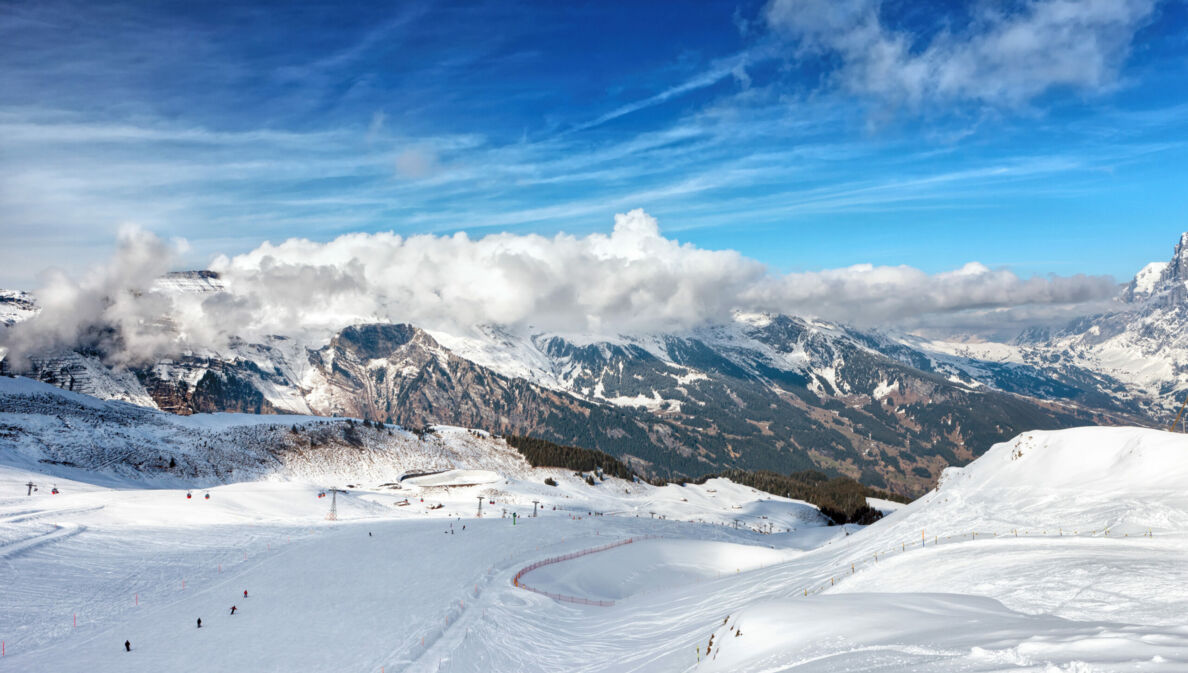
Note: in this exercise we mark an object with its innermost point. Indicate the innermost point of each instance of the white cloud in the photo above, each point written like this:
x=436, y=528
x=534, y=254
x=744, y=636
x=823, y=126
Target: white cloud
x=633, y=280
x=111, y=310
x=1004, y=58
x=867, y=295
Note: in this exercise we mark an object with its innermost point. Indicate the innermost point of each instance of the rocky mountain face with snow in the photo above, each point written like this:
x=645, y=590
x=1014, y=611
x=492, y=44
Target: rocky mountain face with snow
x=761, y=392
x=1132, y=358
x=15, y=306
x=1143, y=344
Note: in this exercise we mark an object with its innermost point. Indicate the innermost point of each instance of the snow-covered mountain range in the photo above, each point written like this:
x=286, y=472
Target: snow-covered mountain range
x=761, y=391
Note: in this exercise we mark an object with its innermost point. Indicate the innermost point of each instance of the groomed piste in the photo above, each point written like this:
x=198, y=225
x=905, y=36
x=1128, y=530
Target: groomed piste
x=1055, y=551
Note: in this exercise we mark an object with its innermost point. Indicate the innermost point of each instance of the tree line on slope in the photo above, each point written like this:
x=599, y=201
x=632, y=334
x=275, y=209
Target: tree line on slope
x=543, y=453
x=840, y=498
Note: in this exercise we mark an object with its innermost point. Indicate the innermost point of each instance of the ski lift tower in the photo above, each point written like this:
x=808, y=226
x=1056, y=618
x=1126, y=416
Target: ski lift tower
x=534, y=504
x=333, y=514
x=30, y=486
x=480, y=509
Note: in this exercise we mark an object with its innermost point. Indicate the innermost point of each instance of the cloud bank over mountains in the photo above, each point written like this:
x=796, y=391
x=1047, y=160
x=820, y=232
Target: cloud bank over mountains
x=634, y=280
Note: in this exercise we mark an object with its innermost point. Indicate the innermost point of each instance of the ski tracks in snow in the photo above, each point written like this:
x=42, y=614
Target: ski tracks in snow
x=35, y=514
x=59, y=533
x=454, y=626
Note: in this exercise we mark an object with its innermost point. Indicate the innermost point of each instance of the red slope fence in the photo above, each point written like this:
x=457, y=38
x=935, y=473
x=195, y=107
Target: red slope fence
x=516, y=581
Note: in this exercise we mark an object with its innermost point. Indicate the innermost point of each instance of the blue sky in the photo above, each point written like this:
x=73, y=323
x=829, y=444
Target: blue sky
x=1046, y=137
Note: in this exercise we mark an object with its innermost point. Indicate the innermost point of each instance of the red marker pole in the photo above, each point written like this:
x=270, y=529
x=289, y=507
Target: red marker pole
x=76, y=620
x=137, y=599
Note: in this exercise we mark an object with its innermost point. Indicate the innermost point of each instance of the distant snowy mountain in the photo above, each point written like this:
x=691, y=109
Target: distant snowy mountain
x=760, y=391
x=1133, y=358
x=1143, y=344
x=769, y=392
x=869, y=405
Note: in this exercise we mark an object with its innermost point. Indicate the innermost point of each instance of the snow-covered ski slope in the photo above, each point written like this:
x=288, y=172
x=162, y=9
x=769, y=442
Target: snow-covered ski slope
x=72, y=435
x=1057, y=551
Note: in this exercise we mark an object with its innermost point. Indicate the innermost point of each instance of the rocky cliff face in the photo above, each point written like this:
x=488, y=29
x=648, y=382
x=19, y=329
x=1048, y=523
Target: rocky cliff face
x=1142, y=344
x=1174, y=276
x=15, y=306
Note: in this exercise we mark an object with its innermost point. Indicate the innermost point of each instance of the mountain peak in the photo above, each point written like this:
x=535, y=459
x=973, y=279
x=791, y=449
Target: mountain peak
x=1178, y=269
x=1145, y=282
x=380, y=340
x=201, y=281
x=1158, y=278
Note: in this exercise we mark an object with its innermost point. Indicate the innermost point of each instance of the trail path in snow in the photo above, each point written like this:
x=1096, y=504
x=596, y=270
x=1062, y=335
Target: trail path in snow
x=58, y=533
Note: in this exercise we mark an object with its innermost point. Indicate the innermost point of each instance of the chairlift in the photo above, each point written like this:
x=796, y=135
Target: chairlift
x=54, y=491
x=206, y=497
x=189, y=495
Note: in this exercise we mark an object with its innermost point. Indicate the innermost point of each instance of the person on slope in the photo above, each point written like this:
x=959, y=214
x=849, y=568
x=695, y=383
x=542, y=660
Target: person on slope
x=199, y=622
x=127, y=646
x=232, y=609
x=245, y=593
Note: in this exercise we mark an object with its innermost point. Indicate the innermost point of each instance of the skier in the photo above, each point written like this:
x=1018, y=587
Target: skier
x=245, y=593
x=199, y=622
x=368, y=533
x=232, y=609
x=127, y=646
